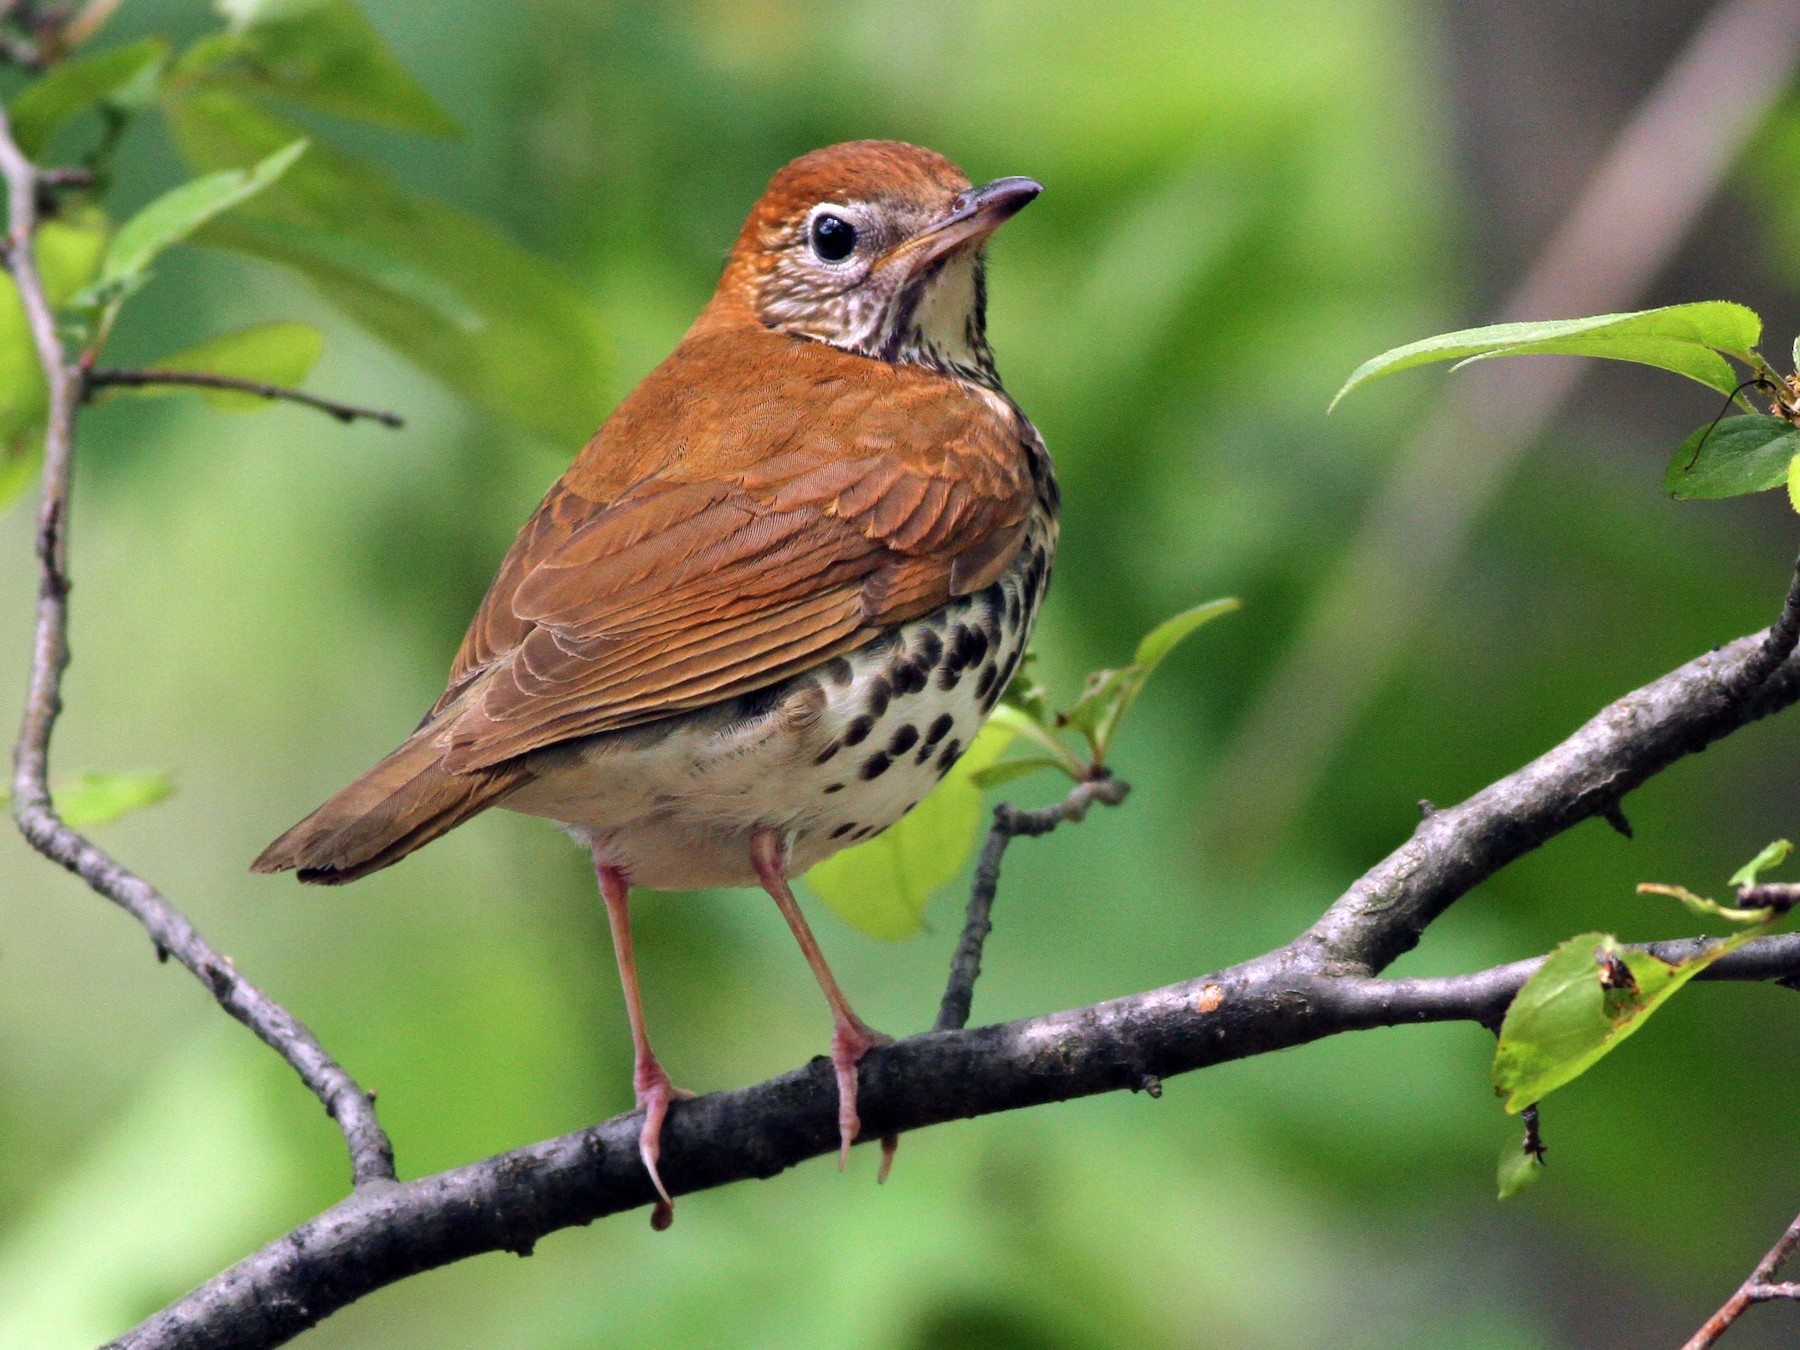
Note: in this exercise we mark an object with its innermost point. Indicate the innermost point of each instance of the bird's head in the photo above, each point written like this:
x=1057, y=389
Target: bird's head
x=875, y=247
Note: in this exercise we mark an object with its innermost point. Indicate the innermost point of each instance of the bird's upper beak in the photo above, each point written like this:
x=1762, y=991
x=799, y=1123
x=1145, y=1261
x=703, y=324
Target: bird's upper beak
x=974, y=215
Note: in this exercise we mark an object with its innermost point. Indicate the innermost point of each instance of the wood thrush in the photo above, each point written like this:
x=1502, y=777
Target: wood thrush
x=772, y=600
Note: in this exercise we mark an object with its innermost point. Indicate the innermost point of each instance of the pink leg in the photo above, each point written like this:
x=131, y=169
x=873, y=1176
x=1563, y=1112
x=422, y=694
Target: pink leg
x=654, y=1090
x=851, y=1037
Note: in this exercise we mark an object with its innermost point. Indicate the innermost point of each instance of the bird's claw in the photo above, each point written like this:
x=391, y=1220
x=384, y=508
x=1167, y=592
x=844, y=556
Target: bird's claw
x=655, y=1093
x=849, y=1043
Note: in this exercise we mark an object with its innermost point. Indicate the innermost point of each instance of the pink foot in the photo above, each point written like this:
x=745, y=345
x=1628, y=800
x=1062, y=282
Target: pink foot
x=849, y=1043
x=654, y=1094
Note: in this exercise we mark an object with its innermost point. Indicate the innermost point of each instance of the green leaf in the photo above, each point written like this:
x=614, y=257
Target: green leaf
x=266, y=353
x=176, y=214
x=1793, y=482
x=96, y=799
x=1686, y=339
x=1739, y=455
x=1519, y=1168
x=323, y=54
x=1110, y=693
x=883, y=886
x=1007, y=770
x=1587, y=997
x=1163, y=639
x=1772, y=856
x=44, y=107
x=520, y=339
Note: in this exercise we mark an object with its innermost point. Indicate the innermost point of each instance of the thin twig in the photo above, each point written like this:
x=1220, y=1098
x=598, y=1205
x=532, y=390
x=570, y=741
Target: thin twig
x=1756, y=1289
x=371, y=1155
x=1009, y=823
x=106, y=376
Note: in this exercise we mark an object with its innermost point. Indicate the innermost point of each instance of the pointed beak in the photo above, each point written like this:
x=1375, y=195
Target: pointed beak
x=974, y=215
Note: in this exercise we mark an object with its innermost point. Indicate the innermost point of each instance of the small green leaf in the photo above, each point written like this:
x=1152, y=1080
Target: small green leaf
x=1007, y=770
x=176, y=214
x=1519, y=1168
x=1686, y=339
x=1739, y=455
x=44, y=107
x=1771, y=857
x=1793, y=482
x=1587, y=997
x=265, y=353
x=324, y=54
x=96, y=799
x=883, y=886
x=1110, y=693
x=1162, y=639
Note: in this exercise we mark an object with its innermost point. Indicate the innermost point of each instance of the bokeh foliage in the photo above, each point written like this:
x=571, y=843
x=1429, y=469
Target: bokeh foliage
x=1244, y=200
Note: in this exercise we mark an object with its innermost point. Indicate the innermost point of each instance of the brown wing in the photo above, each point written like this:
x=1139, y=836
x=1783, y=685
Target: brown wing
x=699, y=550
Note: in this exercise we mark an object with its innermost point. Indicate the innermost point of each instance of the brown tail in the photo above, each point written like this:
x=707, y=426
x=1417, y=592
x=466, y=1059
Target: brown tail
x=401, y=804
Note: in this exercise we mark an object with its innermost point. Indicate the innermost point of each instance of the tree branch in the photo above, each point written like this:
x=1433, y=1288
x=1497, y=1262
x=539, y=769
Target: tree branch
x=371, y=1156
x=1009, y=823
x=138, y=379
x=1755, y=1289
x=1321, y=984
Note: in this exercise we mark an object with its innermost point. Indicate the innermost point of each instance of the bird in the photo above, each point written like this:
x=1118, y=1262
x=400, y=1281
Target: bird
x=774, y=597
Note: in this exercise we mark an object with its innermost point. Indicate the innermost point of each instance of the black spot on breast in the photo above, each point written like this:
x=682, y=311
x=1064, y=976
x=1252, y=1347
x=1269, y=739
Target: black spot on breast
x=834, y=787
x=843, y=829
x=910, y=676
x=858, y=730
x=1013, y=608
x=875, y=765
x=865, y=832
x=880, y=691
x=837, y=671
x=903, y=740
x=952, y=748
x=938, y=730
x=971, y=644
x=931, y=649
x=826, y=753
x=990, y=677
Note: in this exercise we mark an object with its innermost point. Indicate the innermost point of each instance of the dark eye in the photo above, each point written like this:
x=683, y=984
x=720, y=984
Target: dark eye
x=833, y=238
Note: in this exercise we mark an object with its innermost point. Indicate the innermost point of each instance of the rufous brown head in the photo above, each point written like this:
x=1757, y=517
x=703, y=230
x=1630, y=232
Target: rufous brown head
x=875, y=247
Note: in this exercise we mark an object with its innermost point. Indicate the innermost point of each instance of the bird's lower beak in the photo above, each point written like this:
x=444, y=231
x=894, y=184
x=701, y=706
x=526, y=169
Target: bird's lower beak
x=974, y=215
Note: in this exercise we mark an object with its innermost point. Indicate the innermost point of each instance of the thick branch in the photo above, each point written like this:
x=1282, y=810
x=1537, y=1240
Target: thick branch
x=1455, y=849
x=139, y=379
x=371, y=1155
x=509, y=1202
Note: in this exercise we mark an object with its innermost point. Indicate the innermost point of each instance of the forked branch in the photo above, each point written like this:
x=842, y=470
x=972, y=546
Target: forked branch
x=371, y=1156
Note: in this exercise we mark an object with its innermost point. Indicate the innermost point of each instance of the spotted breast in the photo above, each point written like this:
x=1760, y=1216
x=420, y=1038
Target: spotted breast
x=830, y=757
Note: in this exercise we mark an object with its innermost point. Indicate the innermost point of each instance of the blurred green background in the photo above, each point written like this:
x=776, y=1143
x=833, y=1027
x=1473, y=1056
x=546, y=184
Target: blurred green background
x=1243, y=201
